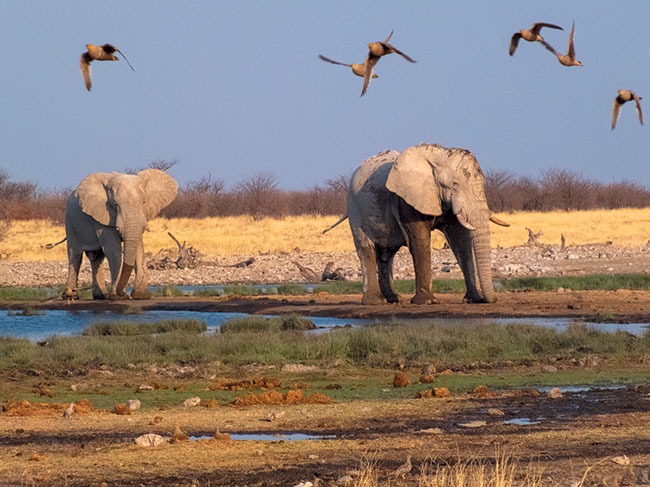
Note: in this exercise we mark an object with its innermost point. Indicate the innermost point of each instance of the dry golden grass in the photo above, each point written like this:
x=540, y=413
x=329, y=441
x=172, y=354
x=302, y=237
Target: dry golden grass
x=246, y=236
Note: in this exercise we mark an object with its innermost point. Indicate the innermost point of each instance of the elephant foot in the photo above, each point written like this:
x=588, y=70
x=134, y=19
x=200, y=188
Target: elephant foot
x=98, y=294
x=392, y=298
x=140, y=294
x=372, y=299
x=471, y=299
x=424, y=298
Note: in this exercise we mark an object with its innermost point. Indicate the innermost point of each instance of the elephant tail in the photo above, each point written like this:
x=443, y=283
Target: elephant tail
x=343, y=218
x=52, y=245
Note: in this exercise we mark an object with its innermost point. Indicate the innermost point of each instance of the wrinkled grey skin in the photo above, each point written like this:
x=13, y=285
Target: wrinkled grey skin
x=397, y=199
x=105, y=217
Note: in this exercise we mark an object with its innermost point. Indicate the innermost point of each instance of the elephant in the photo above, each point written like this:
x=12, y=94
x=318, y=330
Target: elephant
x=106, y=216
x=396, y=199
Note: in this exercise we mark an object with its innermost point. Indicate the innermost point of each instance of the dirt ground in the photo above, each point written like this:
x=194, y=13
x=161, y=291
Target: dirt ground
x=572, y=439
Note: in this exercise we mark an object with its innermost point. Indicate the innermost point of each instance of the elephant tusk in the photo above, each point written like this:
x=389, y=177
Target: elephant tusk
x=494, y=219
x=463, y=221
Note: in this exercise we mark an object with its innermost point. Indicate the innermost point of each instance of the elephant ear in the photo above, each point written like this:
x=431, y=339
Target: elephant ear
x=92, y=193
x=412, y=178
x=159, y=188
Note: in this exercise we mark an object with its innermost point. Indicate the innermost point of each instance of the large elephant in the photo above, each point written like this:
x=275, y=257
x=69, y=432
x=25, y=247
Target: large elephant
x=397, y=199
x=105, y=217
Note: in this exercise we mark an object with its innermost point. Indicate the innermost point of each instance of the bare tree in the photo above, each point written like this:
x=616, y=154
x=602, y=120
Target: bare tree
x=257, y=195
x=160, y=164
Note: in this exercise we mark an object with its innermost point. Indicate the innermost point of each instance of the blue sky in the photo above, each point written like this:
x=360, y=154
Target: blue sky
x=236, y=88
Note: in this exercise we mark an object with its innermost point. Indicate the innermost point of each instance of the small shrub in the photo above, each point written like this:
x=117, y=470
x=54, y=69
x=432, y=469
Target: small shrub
x=241, y=290
x=169, y=291
x=207, y=292
x=121, y=328
x=292, y=289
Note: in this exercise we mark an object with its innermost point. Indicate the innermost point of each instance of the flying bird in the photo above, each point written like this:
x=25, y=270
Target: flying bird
x=377, y=50
x=570, y=58
x=530, y=35
x=358, y=69
x=623, y=97
x=98, y=53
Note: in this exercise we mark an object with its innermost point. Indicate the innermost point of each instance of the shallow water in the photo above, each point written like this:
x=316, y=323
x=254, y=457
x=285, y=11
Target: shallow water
x=71, y=323
x=521, y=421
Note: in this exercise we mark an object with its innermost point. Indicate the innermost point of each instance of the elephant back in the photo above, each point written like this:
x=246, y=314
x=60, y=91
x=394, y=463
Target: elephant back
x=373, y=171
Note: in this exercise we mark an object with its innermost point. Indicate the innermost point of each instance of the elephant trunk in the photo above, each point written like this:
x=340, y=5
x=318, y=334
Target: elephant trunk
x=124, y=278
x=483, y=262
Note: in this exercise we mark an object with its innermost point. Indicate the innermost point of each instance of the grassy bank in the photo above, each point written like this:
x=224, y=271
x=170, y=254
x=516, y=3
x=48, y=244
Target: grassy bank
x=376, y=345
x=607, y=282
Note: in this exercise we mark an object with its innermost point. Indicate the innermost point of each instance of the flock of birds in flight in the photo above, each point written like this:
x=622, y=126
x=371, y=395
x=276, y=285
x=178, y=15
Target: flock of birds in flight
x=377, y=50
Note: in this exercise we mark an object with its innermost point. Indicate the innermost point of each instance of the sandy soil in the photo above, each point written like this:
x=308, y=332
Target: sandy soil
x=568, y=436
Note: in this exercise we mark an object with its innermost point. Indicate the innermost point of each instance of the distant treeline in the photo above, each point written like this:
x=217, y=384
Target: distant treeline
x=259, y=196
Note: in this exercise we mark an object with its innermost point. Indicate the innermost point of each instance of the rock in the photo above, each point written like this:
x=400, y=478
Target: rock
x=555, y=393
x=210, y=403
x=144, y=387
x=441, y=392
x=426, y=379
x=330, y=387
x=191, y=402
x=134, y=404
x=301, y=385
x=424, y=394
x=344, y=480
x=400, y=380
x=180, y=388
x=495, y=412
x=293, y=397
x=551, y=369
x=313, y=457
x=36, y=457
x=83, y=406
x=431, y=431
x=274, y=416
x=473, y=424
x=480, y=390
x=428, y=369
x=304, y=484
x=621, y=460
x=78, y=387
x=156, y=420
x=150, y=440
x=122, y=410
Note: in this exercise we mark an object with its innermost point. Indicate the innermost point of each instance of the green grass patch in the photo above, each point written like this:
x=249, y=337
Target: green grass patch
x=605, y=282
x=264, y=342
x=126, y=328
x=292, y=289
x=406, y=286
x=12, y=293
x=258, y=324
x=168, y=292
x=207, y=292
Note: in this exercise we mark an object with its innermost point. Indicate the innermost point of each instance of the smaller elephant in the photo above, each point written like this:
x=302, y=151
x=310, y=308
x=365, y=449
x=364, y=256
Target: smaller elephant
x=106, y=216
x=397, y=199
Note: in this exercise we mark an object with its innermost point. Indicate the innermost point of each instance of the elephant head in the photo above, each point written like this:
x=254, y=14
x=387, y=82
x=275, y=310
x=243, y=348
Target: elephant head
x=436, y=180
x=126, y=202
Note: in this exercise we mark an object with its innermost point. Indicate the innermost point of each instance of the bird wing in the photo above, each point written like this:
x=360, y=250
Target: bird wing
x=370, y=63
x=615, y=110
x=389, y=36
x=549, y=47
x=85, y=69
x=571, y=52
x=637, y=100
x=393, y=48
x=538, y=26
x=127, y=61
x=109, y=48
x=328, y=60
x=514, y=42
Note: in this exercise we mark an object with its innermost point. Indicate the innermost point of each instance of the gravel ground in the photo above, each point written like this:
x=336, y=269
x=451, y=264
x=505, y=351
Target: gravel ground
x=279, y=268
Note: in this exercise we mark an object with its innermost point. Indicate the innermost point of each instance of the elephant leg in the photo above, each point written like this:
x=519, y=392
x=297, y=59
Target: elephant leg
x=385, y=256
x=74, y=264
x=459, y=241
x=418, y=238
x=112, y=247
x=367, y=257
x=140, y=289
x=96, y=258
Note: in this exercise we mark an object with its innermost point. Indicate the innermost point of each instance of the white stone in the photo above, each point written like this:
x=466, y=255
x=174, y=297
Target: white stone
x=134, y=404
x=192, y=401
x=150, y=440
